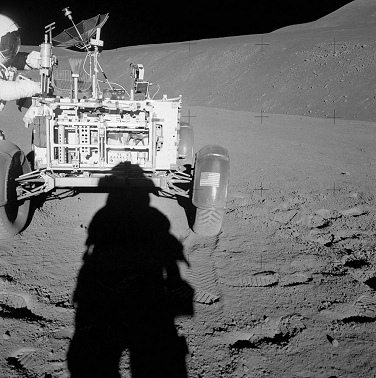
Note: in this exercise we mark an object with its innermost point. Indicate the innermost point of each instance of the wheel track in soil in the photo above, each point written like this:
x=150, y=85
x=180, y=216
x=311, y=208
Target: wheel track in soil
x=201, y=272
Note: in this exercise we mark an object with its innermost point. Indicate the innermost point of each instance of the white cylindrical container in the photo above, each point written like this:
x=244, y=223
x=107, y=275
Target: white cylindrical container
x=45, y=55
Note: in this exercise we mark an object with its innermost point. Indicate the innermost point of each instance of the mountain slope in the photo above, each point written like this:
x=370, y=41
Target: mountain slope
x=297, y=72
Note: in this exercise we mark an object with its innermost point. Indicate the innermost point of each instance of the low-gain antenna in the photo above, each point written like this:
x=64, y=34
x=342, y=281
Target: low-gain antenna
x=67, y=13
x=48, y=30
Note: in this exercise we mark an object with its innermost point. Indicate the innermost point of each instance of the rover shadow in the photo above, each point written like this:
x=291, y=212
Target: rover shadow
x=129, y=290
x=189, y=209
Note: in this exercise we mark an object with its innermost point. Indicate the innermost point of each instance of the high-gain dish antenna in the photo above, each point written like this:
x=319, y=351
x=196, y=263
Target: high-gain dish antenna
x=81, y=35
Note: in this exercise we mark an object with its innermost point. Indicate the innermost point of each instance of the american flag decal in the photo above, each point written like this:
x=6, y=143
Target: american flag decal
x=210, y=179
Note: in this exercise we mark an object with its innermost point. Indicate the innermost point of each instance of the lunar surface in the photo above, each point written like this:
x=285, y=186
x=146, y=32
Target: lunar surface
x=287, y=289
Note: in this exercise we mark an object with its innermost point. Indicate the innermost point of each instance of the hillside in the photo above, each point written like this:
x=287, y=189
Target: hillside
x=298, y=72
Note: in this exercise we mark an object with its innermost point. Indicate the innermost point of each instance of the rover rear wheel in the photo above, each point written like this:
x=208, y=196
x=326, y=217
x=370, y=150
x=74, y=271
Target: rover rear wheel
x=13, y=213
x=208, y=222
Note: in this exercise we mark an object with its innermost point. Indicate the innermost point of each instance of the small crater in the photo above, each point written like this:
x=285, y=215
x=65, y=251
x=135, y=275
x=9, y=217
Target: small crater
x=64, y=304
x=356, y=263
x=371, y=283
x=19, y=313
x=6, y=278
x=358, y=319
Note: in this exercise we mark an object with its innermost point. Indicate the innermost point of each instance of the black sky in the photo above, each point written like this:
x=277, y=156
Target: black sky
x=138, y=22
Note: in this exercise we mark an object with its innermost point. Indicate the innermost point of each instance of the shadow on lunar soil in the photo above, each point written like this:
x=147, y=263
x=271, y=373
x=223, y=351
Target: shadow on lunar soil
x=129, y=291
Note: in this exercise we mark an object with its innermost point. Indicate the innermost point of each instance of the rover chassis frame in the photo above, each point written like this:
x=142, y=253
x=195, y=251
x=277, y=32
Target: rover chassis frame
x=171, y=184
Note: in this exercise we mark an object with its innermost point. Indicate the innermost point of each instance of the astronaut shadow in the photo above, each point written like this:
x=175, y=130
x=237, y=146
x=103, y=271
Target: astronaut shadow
x=129, y=290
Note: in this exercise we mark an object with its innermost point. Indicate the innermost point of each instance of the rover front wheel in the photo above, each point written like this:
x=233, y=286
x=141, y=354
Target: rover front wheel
x=209, y=192
x=13, y=213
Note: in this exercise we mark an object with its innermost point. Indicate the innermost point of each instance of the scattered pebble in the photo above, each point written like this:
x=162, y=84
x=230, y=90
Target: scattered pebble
x=63, y=333
x=345, y=234
x=366, y=276
x=363, y=308
x=354, y=195
x=284, y=217
x=6, y=335
x=328, y=214
x=284, y=326
x=354, y=211
x=313, y=221
x=306, y=263
x=321, y=237
x=332, y=341
x=14, y=300
x=295, y=279
x=23, y=357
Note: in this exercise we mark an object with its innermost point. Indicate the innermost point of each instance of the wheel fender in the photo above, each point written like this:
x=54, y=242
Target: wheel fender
x=186, y=140
x=211, y=177
x=7, y=151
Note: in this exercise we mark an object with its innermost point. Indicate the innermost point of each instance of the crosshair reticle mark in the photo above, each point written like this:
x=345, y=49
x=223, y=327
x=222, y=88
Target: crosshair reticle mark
x=261, y=189
x=334, y=189
x=189, y=116
x=335, y=44
x=189, y=43
x=262, y=44
x=334, y=116
x=261, y=116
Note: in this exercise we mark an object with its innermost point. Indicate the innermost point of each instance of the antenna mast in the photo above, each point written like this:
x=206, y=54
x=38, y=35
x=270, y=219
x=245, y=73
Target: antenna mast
x=95, y=43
